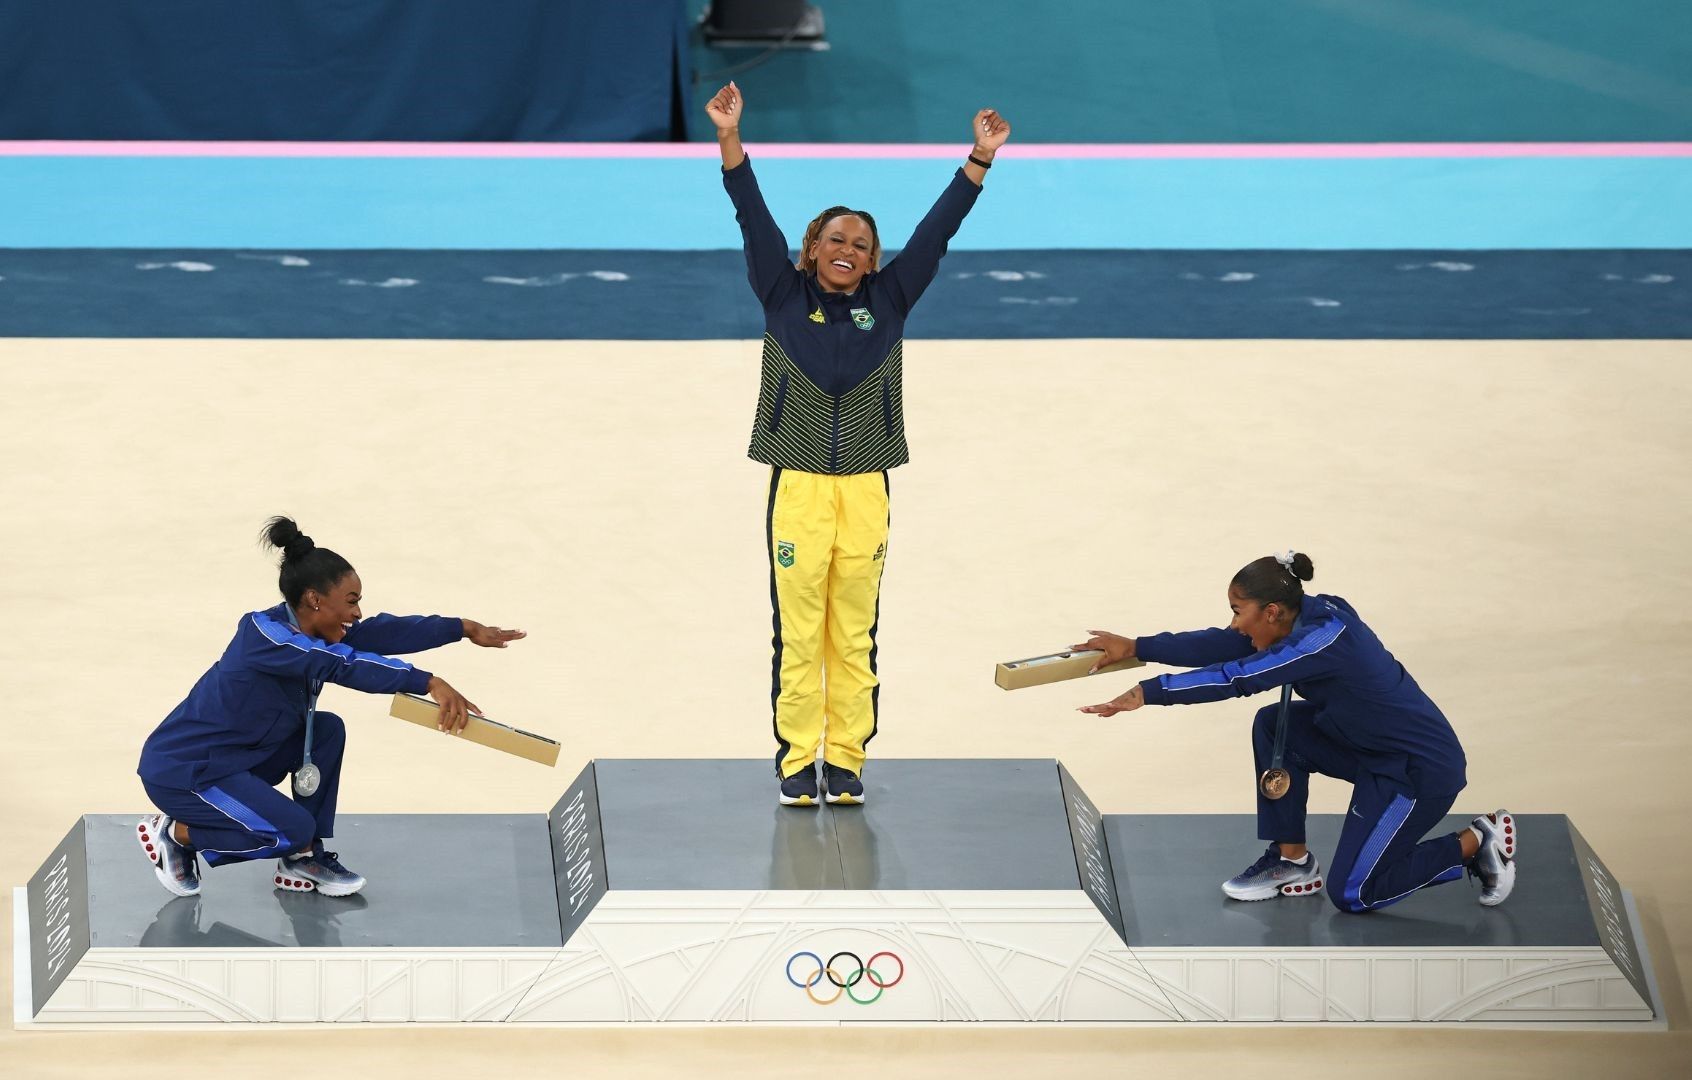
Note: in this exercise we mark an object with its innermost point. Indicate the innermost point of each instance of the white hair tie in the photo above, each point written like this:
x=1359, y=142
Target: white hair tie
x=1285, y=558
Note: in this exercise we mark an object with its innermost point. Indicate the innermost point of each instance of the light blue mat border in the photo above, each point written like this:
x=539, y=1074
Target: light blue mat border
x=678, y=204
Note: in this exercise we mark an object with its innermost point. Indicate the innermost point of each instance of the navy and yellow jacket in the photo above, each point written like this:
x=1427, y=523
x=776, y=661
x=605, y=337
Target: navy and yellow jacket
x=830, y=397
x=1365, y=700
x=254, y=699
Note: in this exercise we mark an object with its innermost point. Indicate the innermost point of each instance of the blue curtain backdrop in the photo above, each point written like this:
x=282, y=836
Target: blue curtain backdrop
x=441, y=70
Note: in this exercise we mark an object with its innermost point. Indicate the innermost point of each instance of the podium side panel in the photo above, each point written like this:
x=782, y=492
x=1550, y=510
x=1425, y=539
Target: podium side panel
x=578, y=851
x=58, y=915
x=1609, y=912
x=1092, y=854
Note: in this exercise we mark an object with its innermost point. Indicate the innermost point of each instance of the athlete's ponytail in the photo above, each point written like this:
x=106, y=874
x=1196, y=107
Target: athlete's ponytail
x=304, y=564
x=1275, y=579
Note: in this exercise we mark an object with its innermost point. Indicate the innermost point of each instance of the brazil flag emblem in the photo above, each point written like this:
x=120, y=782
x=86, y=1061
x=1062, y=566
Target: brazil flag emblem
x=862, y=318
x=784, y=552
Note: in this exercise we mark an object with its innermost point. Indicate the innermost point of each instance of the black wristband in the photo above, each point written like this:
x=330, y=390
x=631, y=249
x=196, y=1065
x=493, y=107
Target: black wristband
x=973, y=160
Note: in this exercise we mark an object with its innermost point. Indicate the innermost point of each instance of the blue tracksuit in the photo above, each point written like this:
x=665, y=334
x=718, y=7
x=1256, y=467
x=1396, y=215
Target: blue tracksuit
x=1363, y=719
x=216, y=759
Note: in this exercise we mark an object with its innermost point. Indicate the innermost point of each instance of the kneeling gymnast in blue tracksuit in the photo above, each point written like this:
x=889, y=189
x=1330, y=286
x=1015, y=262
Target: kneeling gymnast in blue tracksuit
x=213, y=765
x=1363, y=719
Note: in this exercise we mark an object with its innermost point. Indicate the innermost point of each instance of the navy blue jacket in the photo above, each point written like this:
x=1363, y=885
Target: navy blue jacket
x=1364, y=699
x=254, y=699
x=831, y=394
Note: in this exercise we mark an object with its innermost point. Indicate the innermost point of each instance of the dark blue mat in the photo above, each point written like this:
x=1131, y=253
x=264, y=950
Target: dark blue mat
x=646, y=295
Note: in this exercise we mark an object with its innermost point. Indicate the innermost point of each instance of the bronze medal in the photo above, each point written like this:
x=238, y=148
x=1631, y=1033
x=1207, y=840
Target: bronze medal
x=1275, y=780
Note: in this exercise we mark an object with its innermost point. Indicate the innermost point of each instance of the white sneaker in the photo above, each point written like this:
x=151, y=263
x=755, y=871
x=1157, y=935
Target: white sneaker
x=175, y=865
x=321, y=871
x=1271, y=876
x=1495, y=862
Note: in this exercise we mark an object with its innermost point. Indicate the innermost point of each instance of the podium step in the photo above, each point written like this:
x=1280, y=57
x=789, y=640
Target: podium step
x=678, y=890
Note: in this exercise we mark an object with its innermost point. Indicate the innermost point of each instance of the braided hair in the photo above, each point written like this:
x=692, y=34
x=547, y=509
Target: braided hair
x=809, y=264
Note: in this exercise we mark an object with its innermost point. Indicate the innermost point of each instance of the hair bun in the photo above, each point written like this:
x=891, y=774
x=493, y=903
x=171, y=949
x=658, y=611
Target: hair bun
x=297, y=547
x=1302, y=568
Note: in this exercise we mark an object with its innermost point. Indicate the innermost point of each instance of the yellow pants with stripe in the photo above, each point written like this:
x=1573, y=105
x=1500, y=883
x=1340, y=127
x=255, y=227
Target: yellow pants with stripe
x=828, y=543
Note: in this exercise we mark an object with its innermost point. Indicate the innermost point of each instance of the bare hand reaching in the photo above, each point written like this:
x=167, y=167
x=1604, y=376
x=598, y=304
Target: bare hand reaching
x=490, y=637
x=1128, y=702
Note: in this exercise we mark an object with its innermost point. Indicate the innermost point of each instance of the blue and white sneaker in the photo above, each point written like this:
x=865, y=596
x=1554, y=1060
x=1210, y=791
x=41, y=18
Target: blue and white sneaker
x=1495, y=862
x=175, y=865
x=800, y=789
x=842, y=785
x=1272, y=876
x=321, y=871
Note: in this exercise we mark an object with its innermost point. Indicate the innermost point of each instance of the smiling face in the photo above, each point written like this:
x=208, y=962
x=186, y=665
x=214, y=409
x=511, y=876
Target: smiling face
x=1264, y=624
x=844, y=251
x=335, y=611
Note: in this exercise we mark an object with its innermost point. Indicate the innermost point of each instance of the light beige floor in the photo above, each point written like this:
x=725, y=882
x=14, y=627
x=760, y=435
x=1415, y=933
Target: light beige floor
x=1513, y=518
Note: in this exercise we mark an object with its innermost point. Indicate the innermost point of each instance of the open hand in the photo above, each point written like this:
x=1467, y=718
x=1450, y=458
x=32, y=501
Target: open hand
x=490, y=637
x=1114, y=646
x=1128, y=702
x=725, y=108
x=990, y=130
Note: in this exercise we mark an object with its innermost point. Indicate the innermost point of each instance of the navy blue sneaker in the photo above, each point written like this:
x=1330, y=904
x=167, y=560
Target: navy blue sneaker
x=800, y=789
x=843, y=785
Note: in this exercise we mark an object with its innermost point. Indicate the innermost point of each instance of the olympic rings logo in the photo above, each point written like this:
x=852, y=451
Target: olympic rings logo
x=845, y=984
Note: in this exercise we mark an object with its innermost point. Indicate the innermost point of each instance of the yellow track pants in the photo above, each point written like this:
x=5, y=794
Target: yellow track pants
x=828, y=543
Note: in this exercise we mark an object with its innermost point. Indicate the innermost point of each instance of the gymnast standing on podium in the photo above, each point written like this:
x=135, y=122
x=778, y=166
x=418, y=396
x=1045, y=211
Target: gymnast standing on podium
x=1363, y=720
x=213, y=765
x=830, y=424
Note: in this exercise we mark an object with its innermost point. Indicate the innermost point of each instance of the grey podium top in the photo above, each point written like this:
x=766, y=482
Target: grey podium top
x=435, y=881
x=952, y=824
x=1170, y=869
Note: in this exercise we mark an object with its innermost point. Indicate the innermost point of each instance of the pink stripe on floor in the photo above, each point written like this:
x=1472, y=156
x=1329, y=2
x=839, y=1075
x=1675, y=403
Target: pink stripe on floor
x=1046, y=151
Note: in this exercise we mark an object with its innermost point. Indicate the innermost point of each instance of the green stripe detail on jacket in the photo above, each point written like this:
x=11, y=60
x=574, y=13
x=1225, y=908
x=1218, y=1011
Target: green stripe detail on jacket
x=796, y=423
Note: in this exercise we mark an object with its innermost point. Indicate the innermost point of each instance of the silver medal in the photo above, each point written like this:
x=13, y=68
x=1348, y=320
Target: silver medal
x=306, y=779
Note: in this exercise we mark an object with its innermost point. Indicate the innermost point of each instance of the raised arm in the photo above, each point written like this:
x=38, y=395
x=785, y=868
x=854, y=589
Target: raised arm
x=909, y=275
x=768, y=266
x=724, y=109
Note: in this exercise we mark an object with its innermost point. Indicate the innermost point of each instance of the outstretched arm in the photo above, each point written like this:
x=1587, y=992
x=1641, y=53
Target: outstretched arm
x=397, y=635
x=276, y=648
x=768, y=266
x=1194, y=648
x=1307, y=653
x=909, y=274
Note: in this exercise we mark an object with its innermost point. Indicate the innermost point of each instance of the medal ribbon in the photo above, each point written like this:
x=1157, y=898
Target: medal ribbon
x=311, y=708
x=1280, y=751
